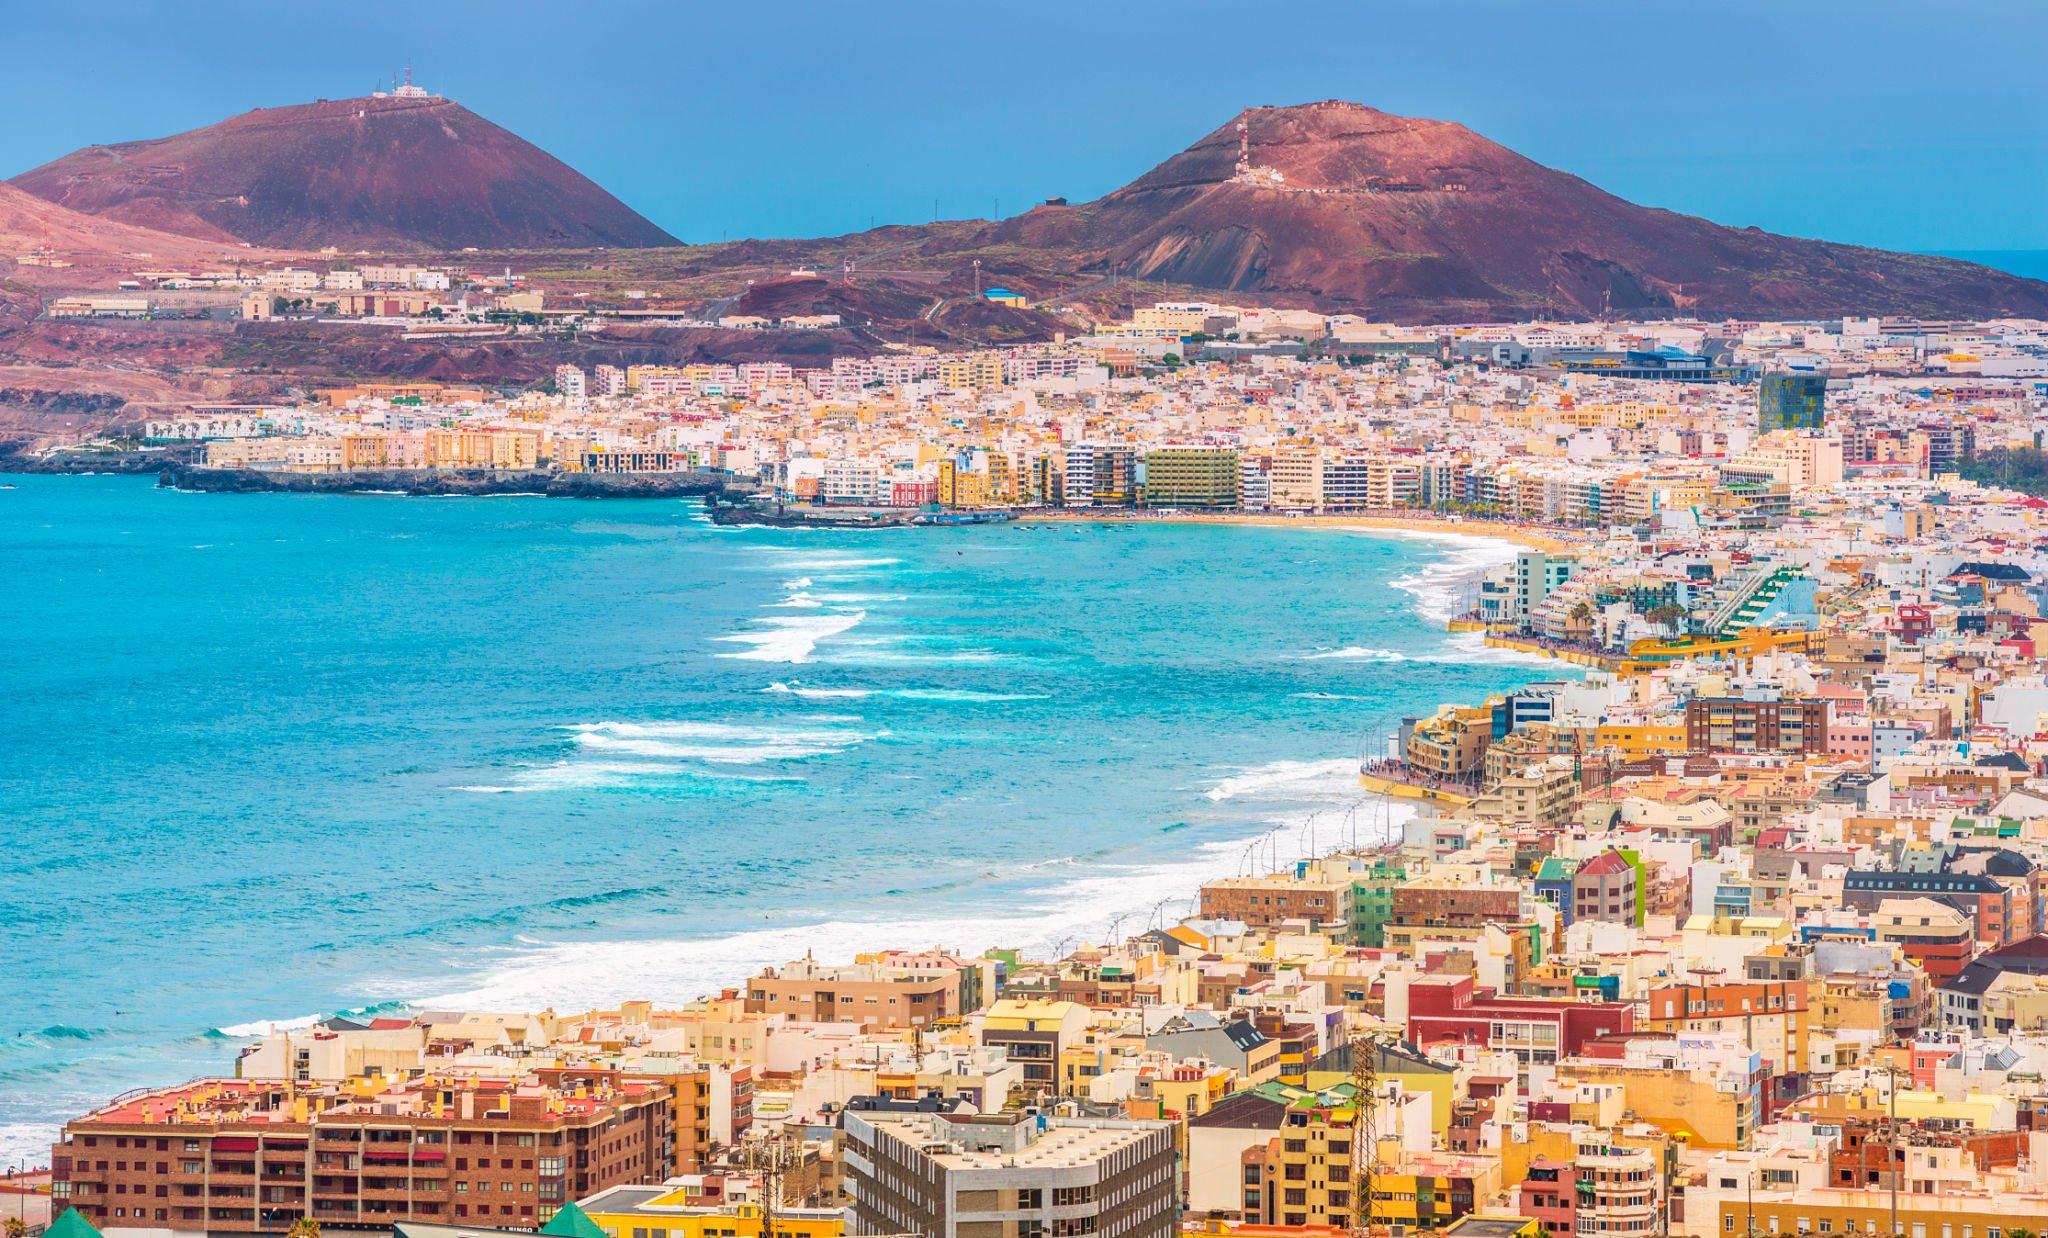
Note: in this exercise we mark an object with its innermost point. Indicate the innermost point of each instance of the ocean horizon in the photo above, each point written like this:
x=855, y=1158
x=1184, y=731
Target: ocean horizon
x=2027, y=263
x=273, y=757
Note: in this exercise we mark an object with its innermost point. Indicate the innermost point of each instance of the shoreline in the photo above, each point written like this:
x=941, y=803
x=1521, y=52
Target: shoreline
x=1087, y=902
x=197, y=478
x=1530, y=537
x=413, y=483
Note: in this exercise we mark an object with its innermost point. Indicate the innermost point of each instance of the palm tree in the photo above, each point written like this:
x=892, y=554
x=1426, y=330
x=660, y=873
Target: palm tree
x=304, y=1227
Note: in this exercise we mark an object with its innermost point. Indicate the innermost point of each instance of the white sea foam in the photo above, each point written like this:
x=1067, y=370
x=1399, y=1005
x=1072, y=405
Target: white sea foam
x=819, y=694
x=577, y=776
x=1290, y=780
x=1443, y=588
x=956, y=695
x=1471, y=647
x=1084, y=907
x=1091, y=904
x=1329, y=696
x=814, y=561
x=923, y=657
x=263, y=1027
x=965, y=695
x=1359, y=653
x=801, y=582
x=791, y=639
x=718, y=743
x=1078, y=909
x=800, y=601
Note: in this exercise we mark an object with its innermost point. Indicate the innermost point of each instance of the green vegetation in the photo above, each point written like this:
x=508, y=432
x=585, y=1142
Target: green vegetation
x=2024, y=469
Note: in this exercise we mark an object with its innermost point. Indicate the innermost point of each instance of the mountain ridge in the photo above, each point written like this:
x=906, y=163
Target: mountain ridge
x=392, y=172
x=1353, y=207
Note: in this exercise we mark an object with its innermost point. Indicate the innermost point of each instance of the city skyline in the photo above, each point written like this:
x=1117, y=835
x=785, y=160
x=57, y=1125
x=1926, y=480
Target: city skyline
x=1795, y=133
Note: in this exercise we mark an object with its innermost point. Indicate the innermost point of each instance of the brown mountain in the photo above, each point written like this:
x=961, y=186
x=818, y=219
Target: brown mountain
x=377, y=173
x=1348, y=207
x=29, y=224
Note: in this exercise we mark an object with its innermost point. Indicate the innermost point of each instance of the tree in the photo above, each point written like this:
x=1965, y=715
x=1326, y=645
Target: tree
x=17, y=1228
x=304, y=1227
x=1671, y=614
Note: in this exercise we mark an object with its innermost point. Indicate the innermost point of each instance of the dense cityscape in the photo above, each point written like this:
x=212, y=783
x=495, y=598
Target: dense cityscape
x=1168, y=626
x=1735, y=927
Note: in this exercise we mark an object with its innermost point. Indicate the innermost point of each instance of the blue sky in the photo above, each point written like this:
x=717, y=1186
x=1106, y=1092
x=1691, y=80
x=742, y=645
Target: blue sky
x=1913, y=126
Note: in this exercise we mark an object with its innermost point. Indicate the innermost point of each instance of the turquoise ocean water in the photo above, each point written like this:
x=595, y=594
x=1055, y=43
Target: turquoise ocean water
x=264, y=757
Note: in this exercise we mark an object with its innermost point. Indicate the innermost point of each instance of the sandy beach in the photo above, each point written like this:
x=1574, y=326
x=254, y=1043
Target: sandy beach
x=1532, y=536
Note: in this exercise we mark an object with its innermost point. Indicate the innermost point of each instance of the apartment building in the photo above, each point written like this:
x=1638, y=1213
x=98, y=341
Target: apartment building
x=1192, y=478
x=878, y=994
x=1321, y=899
x=1034, y=1033
x=1010, y=1175
x=1797, y=727
x=241, y=1156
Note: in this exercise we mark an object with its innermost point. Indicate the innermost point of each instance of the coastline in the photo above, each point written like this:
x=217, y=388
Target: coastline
x=1280, y=798
x=1530, y=537
x=444, y=482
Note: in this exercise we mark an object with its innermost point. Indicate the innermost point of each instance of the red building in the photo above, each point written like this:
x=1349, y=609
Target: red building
x=1534, y=1029
x=1549, y=1195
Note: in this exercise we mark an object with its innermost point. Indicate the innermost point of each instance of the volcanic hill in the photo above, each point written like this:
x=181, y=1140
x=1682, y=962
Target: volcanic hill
x=1347, y=207
x=29, y=224
x=391, y=173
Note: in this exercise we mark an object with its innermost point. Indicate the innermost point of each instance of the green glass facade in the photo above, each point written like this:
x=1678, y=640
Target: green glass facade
x=1792, y=402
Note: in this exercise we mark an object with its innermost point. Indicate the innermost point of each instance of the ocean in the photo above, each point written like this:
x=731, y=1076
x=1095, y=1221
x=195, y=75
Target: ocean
x=271, y=757
x=2029, y=263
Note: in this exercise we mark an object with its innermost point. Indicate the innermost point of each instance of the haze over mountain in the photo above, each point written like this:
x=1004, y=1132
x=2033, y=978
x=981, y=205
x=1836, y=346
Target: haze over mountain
x=1349, y=207
x=396, y=172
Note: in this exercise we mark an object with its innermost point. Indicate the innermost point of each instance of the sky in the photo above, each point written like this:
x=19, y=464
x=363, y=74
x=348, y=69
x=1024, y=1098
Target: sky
x=1908, y=126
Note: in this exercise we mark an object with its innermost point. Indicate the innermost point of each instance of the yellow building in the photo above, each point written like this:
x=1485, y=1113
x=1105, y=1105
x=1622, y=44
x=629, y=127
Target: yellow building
x=662, y=1212
x=1304, y=1177
x=1642, y=739
x=365, y=451
x=1700, y=1105
x=1828, y=1210
x=973, y=371
x=1191, y=477
x=1451, y=743
x=482, y=449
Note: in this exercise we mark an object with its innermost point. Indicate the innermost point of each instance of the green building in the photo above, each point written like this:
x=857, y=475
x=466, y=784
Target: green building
x=1201, y=478
x=1792, y=402
x=1372, y=903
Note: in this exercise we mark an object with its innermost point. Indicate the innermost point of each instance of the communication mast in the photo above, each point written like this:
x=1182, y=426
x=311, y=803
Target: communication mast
x=1365, y=1154
x=1245, y=172
x=771, y=1159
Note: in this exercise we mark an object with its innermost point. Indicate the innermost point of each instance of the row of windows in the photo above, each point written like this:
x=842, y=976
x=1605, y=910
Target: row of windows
x=1919, y=1229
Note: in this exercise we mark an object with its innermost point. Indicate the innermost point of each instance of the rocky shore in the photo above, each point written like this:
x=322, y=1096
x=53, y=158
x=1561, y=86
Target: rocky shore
x=17, y=457
x=448, y=482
